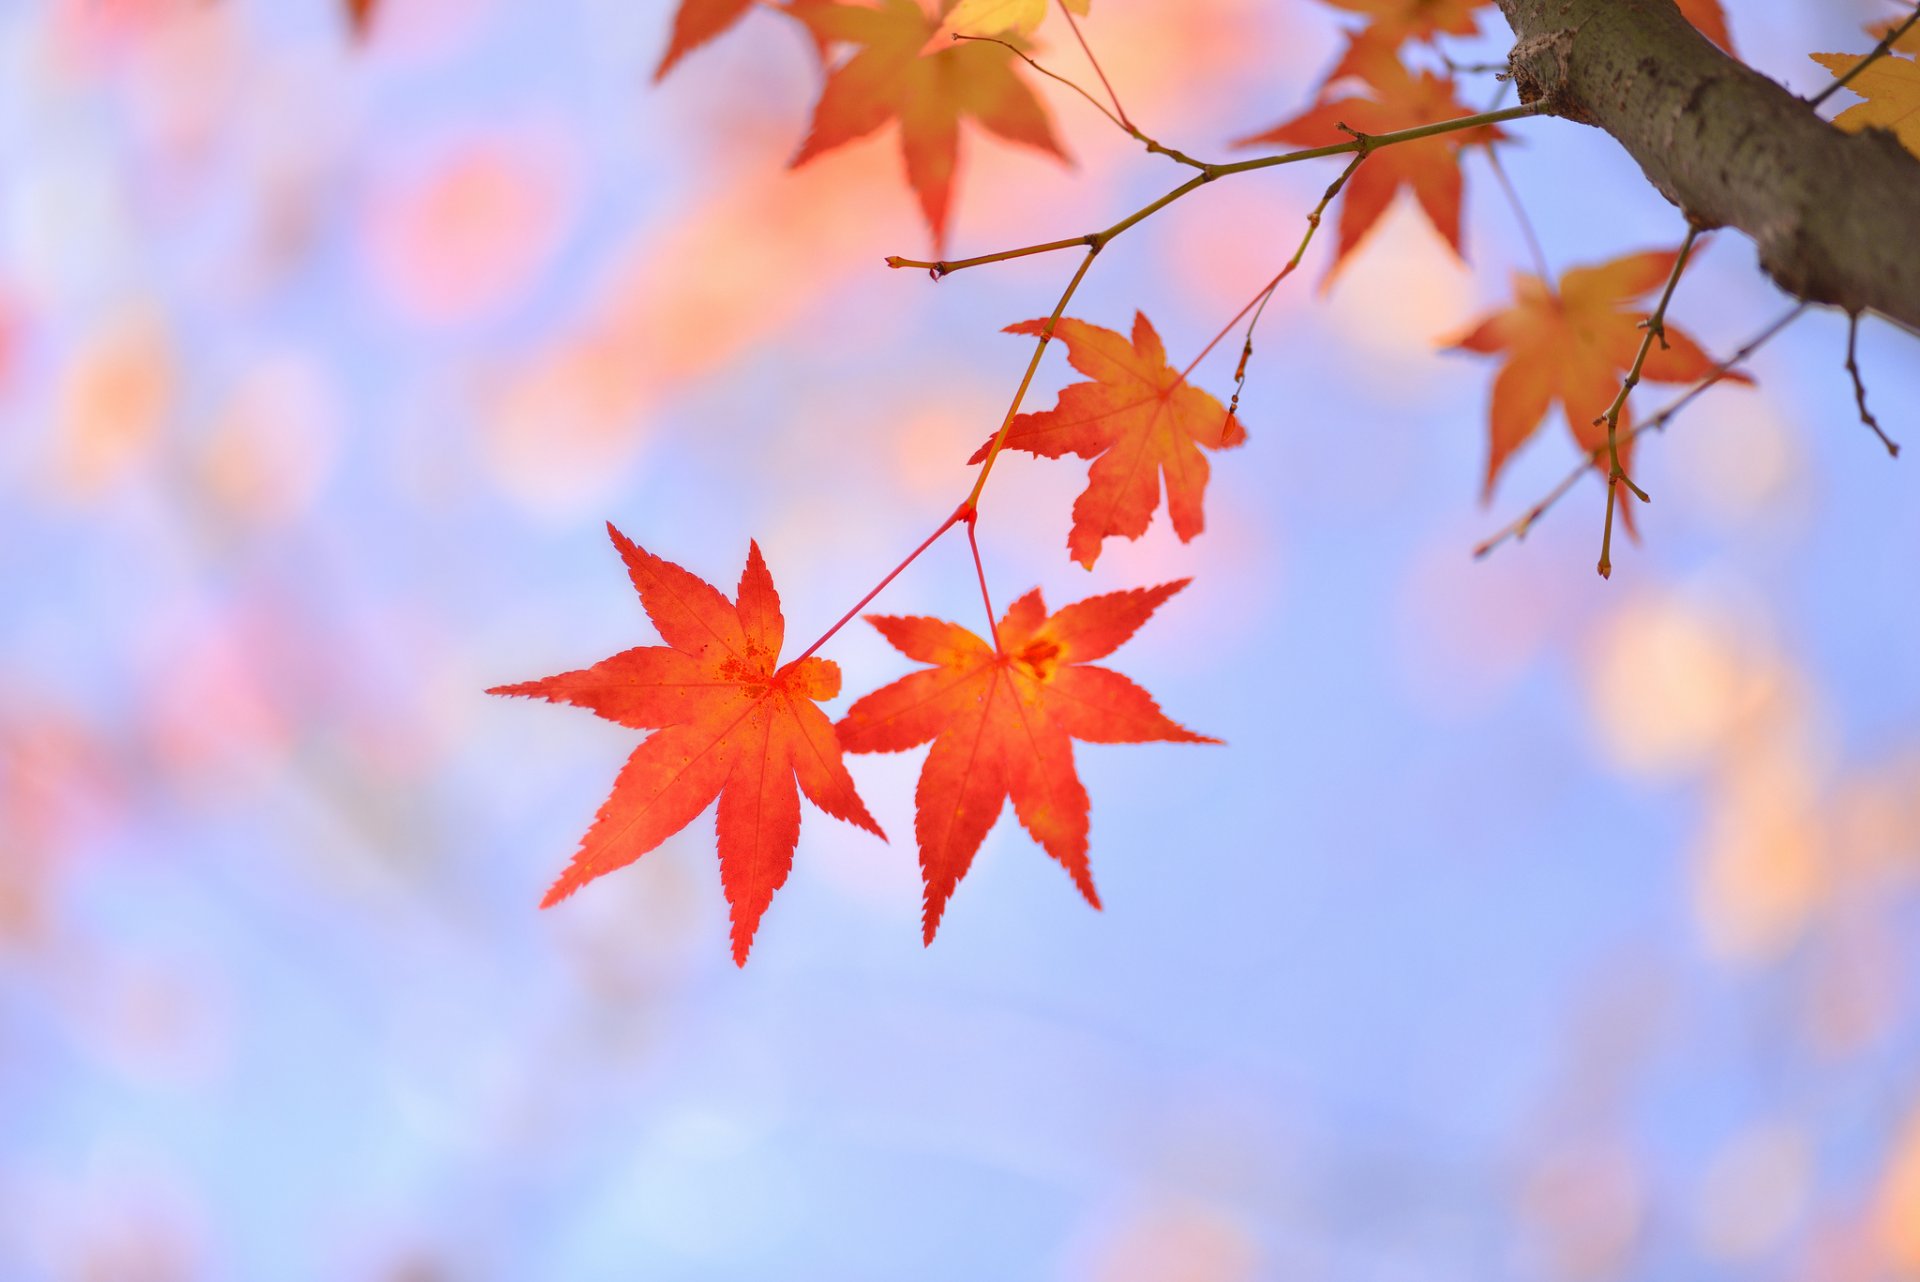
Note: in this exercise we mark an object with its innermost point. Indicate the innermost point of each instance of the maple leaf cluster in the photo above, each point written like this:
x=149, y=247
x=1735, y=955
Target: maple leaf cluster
x=1371, y=89
x=1568, y=344
x=729, y=721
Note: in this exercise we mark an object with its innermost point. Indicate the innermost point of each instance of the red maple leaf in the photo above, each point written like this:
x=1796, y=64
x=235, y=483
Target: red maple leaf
x=1710, y=18
x=1574, y=345
x=1003, y=719
x=890, y=77
x=360, y=15
x=1137, y=419
x=694, y=23
x=1390, y=22
x=727, y=723
x=1430, y=167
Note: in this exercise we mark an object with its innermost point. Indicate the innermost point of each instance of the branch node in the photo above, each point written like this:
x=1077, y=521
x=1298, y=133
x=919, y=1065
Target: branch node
x=1540, y=68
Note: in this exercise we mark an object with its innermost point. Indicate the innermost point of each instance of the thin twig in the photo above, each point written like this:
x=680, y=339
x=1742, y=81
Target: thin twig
x=1656, y=327
x=1258, y=303
x=969, y=510
x=1120, y=121
x=1860, y=388
x=972, y=501
x=1520, y=216
x=1208, y=173
x=861, y=604
x=980, y=569
x=1095, y=62
x=1877, y=52
x=1473, y=68
x=1517, y=530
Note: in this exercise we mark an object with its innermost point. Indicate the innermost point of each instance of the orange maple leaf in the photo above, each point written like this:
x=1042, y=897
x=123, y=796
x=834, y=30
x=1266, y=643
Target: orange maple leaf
x=360, y=15
x=993, y=17
x=1710, y=18
x=1574, y=345
x=1391, y=22
x=1003, y=719
x=1402, y=100
x=1891, y=86
x=1137, y=419
x=1909, y=42
x=889, y=77
x=728, y=723
x=696, y=22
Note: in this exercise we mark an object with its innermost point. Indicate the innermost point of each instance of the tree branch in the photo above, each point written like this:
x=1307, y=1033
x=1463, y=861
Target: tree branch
x=1834, y=214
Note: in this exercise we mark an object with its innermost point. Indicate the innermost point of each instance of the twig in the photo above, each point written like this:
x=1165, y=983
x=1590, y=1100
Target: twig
x=1120, y=121
x=1208, y=173
x=1258, y=303
x=1656, y=327
x=1360, y=146
x=972, y=501
x=979, y=568
x=1472, y=68
x=894, y=573
x=1095, y=62
x=1860, y=388
x=969, y=510
x=1517, y=530
x=1877, y=52
x=1520, y=216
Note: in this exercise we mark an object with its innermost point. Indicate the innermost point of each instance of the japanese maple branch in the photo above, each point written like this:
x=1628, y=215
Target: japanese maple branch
x=1518, y=529
x=1656, y=327
x=1360, y=143
x=1873, y=55
x=1830, y=212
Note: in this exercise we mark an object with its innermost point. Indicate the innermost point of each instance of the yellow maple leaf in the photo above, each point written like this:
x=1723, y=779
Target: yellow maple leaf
x=1891, y=87
x=995, y=17
x=1907, y=43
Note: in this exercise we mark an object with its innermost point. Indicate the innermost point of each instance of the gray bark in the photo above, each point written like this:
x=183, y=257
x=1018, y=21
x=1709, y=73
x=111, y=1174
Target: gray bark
x=1836, y=216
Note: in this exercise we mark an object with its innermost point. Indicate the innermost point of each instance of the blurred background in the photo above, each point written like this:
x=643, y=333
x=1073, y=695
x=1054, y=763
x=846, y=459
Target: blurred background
x=1530, y=926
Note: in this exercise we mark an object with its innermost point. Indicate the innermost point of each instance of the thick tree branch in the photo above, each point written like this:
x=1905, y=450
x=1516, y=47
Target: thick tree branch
x=1835, y=215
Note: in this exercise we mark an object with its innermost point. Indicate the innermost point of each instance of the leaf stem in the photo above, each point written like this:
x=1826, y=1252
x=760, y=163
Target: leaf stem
x=1874, y=54
x=1518, y=529
x=1087, y=49
x=1520, y=216
x=1120, y=121
x=959, y=514
x=979, y=568
x=1656, y=327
